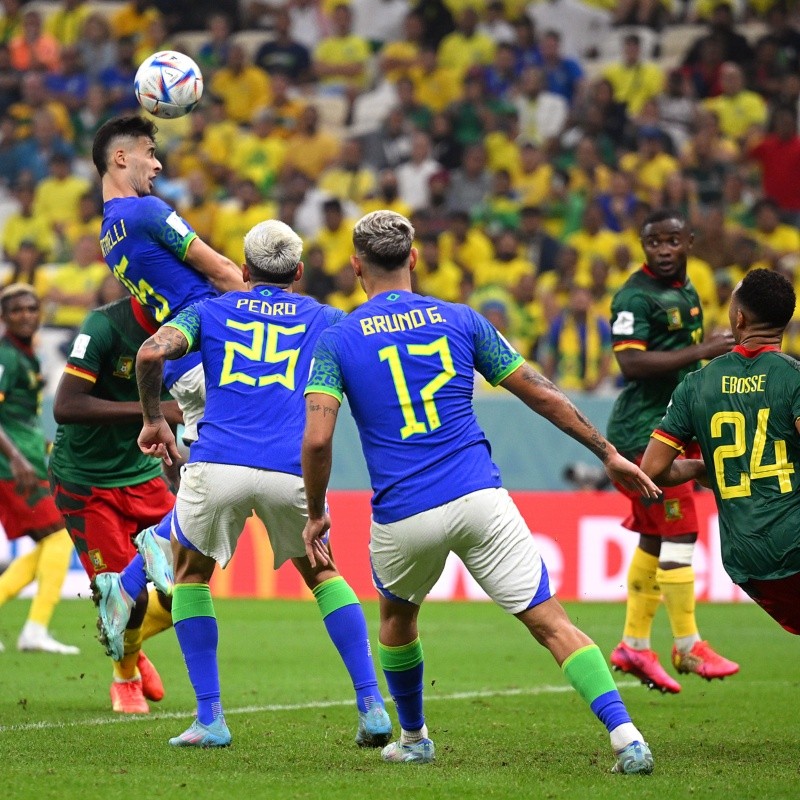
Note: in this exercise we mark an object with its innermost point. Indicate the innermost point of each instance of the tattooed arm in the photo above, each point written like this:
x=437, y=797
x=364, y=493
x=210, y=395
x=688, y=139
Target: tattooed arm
x=156, y=438
x=550, y=402
x=317, y=455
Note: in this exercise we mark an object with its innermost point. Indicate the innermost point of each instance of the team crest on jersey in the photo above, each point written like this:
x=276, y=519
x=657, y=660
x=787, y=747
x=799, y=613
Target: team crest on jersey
x=674, y=321
x=96, y=557
x=124, y=368
x=672, y=510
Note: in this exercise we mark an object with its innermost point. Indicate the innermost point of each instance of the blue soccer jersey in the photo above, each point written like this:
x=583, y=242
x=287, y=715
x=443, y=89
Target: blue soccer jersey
x=257, y=348
x=144, y=243
x=406, y=364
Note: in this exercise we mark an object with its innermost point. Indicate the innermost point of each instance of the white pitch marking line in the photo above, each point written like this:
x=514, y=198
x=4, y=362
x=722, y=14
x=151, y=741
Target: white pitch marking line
x=116, y=720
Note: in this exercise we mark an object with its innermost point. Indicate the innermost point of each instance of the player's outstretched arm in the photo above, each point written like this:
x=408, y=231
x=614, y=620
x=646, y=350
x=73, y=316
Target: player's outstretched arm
x=549, y=401
x=636, y=365
x=156, y=438
x=659, y=463
x=224, y=275
x=75, y=403
x=322, y=411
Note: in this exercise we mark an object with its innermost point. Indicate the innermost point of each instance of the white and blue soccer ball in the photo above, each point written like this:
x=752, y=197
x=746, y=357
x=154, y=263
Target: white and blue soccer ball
x=168, y=84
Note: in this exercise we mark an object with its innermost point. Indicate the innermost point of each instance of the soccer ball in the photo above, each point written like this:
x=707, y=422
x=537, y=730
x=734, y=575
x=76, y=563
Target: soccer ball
x=168, y=84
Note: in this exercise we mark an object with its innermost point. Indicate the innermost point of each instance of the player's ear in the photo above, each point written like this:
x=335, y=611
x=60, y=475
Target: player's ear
x=355, y=262
x=299, y=273
x=119, y=157
x=412, y=259
x=245, y=273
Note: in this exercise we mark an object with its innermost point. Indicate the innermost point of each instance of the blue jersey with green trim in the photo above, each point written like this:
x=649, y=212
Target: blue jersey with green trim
x=407, y=365
x=256, y=348
x=144, y=243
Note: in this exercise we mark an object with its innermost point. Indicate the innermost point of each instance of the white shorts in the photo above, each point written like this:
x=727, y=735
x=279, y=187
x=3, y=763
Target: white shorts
x=190, y=392
x=484, y=529
x=215, y=500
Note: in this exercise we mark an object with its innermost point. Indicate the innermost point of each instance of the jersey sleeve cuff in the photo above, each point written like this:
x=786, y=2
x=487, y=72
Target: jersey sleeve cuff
x=672, y=441
x=324, y=390
x=185, y=249
x=183, y=330
x=512, y=367
x=80, y=372
x=629, y=344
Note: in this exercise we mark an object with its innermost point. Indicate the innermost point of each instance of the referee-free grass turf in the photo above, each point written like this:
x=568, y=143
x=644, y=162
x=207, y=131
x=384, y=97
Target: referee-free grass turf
x=503, y=719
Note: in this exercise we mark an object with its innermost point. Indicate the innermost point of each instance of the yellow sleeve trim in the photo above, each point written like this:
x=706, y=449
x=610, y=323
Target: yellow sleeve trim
x=629, y=346
x=79, y=373
x=324, y=390
x=671, y=442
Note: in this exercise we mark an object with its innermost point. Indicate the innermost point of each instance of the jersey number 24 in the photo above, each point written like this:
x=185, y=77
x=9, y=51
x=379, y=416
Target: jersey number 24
x=780, y=469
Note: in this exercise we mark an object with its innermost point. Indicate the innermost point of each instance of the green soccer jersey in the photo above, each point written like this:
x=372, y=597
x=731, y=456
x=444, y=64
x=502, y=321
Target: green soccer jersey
x=104, y=353
x=742, y=409
x=20, y=404
x=648, y=314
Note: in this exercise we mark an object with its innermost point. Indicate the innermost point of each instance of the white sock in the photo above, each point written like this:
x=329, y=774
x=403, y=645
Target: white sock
x=636, y=642
x=412, y=737
x=686, y=643
x=623, y=735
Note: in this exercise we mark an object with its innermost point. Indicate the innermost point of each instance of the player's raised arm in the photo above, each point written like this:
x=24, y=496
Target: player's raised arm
x=548, y=401
x=156, y=438
x=220, y=270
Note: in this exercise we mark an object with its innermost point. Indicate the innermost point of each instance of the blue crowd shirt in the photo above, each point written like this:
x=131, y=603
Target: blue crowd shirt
x=407, y=364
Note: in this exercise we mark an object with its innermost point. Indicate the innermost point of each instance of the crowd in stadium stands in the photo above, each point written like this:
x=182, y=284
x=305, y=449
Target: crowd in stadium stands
x=526, y=142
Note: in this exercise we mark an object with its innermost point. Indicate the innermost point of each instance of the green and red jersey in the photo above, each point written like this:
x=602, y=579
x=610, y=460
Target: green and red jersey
x=650, y=314
x=742, y=408
x=20, y=404
x=104, y=353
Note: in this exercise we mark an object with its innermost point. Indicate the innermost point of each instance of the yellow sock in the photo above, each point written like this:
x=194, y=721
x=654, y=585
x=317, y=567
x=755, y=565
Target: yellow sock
x=677, y=586
x=56, y=551
x=20, y=572
x=126, y=669
x=157, y=618
x=644, y=595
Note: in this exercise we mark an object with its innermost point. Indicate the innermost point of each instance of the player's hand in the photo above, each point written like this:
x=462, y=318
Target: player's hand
x=627, y=474
x=316, y=549
x=24, y=474
x=719, y=343
x=156, y=440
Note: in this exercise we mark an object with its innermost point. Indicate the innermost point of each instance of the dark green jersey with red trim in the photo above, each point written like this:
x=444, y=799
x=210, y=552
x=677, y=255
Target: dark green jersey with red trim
x=649, y=314
x=742, y=408
x=104, y=353
x=20, y=405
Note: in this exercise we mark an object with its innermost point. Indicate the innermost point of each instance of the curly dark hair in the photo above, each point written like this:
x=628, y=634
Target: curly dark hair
x=768, y=296
x=131, y=125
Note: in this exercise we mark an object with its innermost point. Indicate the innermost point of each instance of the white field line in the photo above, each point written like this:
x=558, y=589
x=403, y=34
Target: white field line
x=430, y=697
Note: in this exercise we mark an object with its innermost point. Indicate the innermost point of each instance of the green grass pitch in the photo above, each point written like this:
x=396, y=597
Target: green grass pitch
x=504, y=722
